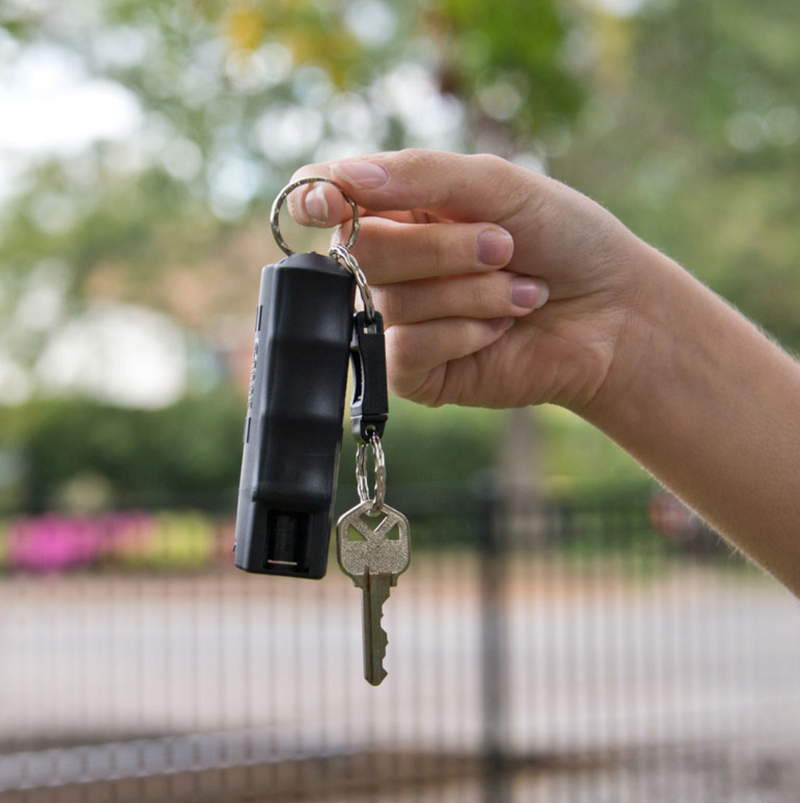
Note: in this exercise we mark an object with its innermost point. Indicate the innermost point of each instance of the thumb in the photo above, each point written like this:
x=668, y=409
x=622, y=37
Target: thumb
x=454, y=186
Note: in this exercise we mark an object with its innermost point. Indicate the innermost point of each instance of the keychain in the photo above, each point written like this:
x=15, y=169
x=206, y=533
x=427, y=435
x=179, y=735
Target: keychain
x=306, y=330
x=372, y=538
x=293, y=426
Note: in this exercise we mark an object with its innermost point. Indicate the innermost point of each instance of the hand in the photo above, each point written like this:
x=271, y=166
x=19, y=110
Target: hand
x=627, y=339
x=461, y=253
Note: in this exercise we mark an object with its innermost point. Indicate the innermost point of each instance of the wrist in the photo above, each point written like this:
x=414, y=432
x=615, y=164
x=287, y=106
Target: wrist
x=650, y=305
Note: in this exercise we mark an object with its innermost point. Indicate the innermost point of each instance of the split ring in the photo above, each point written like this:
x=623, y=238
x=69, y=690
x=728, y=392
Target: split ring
x=276, y=211
x=380, y=474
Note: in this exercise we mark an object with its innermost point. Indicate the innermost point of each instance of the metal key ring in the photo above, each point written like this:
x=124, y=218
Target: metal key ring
x=380, y=474
x=343, y=255
x=289, y=188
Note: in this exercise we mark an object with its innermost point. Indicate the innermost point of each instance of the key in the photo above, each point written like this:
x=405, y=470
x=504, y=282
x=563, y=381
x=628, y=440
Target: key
x=374, y=551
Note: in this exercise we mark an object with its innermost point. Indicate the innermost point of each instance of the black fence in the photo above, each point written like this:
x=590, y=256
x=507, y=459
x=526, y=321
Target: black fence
x=539, y=651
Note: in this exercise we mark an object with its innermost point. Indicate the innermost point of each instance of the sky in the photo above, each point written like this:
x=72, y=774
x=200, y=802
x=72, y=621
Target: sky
x=50, y=105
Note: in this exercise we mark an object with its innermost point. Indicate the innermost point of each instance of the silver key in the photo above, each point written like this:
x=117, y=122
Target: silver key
x=374, y=556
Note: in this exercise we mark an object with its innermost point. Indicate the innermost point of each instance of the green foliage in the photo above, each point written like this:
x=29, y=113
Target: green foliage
x=511, y=48
x=204, y=75
x=690, y=135
x=693, y=142
x=134, y=221
x=214, y=82
x=443, y=446
x=189, y=454
x=186, y=454
x=580, y=460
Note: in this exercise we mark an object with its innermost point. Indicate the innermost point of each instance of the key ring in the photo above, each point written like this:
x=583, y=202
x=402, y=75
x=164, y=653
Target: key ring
x=289, y=188
x=342, y=254
x=380, y=475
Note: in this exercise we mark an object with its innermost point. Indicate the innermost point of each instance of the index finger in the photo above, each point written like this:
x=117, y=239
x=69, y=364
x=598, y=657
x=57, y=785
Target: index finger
x=467, y=188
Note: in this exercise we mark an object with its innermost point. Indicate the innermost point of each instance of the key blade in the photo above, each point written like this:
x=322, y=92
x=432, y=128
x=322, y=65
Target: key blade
x=375, y=591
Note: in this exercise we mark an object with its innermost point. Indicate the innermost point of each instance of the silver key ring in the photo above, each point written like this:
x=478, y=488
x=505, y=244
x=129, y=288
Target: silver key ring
x=289, y=188
x=342, y=254
x=380, y=475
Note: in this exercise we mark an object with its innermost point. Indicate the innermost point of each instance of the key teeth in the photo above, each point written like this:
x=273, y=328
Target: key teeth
x=384, y=638
x=382, y=673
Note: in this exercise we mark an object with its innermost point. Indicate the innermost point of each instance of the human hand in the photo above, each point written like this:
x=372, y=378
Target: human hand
x=627, y=339
x=461, y=252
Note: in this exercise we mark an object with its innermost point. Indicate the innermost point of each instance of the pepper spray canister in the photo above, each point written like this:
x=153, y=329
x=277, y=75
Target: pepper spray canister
x=293, y=427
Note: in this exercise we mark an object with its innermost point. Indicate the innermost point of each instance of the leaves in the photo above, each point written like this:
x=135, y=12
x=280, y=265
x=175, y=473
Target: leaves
x=697, y=148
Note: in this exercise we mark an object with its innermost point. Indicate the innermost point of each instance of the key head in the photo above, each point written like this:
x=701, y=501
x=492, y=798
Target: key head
x=376, y=544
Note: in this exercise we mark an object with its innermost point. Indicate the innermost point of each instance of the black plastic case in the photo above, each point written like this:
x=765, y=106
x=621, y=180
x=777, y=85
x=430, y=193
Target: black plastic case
x=293, y=428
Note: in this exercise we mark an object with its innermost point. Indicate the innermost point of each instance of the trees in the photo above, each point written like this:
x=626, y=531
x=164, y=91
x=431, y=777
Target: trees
x=226, y=99
x=681, y=117
x=223, y=101
x=695, y=143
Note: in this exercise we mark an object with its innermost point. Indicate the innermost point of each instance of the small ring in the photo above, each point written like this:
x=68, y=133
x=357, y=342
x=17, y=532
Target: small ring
x=380, y=474
x=278, y=203
x=341, y=253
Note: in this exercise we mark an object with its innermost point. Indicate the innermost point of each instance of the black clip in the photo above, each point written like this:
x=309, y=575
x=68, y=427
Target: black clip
x=370, y=406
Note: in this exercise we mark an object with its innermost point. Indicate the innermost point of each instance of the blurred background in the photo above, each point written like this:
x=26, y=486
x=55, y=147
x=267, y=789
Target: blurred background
x=570, y=632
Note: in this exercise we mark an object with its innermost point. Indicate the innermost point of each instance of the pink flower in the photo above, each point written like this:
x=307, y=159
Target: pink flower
x=53, y=543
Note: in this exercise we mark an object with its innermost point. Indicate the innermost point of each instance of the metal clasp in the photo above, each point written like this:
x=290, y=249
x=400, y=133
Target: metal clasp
x=369, y=408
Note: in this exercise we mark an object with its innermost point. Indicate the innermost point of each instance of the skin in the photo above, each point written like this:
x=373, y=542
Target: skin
x=627, y=339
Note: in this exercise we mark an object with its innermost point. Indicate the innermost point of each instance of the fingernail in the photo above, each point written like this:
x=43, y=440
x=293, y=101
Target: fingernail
x=316, y=205
x=529, y=293
x=501, y=324
x=495, y=247
x=365, y=175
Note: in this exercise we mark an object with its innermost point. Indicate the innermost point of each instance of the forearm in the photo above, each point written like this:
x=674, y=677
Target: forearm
x=711, y=407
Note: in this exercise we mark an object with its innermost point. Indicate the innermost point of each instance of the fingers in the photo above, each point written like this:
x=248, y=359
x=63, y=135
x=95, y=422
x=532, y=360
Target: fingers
x=416, y=352
x=488, y=295
x=450, y=185
x=395, y=252
x=426, y=271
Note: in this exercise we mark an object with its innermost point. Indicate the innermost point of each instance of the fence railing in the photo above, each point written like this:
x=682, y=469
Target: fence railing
x=538, y=651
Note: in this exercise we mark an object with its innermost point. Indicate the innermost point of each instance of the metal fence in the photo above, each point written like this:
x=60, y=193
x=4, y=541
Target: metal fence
x=538, y=652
